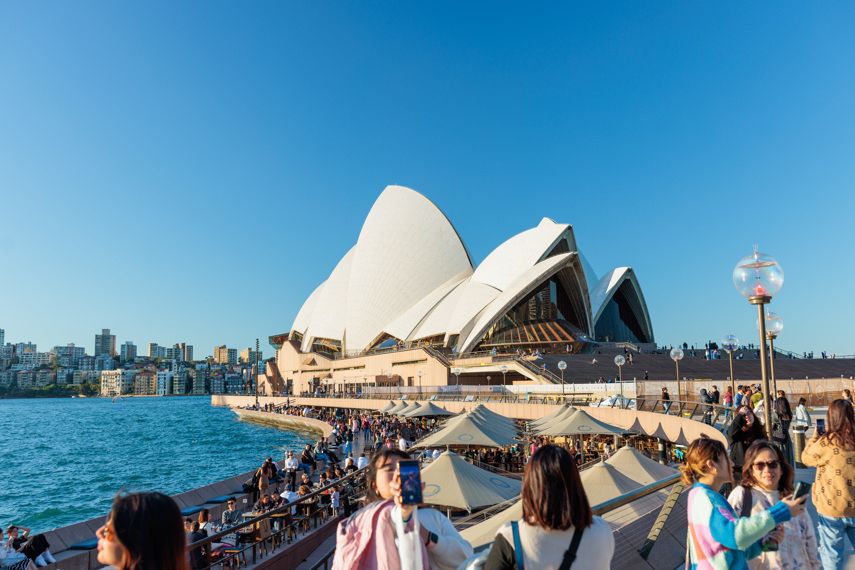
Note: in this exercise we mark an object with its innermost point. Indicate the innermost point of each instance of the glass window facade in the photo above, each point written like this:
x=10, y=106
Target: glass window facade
x=619, y=321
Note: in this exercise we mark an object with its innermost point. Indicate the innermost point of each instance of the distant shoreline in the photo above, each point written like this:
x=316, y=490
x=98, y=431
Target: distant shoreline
x=75, y=396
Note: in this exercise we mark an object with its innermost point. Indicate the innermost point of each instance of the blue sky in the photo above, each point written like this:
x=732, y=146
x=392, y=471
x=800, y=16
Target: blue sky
x=191, y=171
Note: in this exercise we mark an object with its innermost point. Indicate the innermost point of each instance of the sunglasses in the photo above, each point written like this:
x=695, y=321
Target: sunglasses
x=761, y=465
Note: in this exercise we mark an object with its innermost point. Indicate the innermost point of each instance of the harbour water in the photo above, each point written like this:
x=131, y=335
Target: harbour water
x=63, y=460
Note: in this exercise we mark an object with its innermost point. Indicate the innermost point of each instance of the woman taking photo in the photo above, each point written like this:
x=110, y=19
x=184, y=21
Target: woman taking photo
x=766, y=478
x=718, y=538
x=144, y=531
x=744, y=430
x=833, y=455
x=557, y=523
x=388, y=534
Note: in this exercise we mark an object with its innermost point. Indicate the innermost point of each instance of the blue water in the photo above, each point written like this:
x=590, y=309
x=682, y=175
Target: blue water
x=63, y=460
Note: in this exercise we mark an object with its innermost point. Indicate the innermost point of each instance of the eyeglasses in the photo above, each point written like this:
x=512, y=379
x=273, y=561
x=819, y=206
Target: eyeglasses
x=761, y=465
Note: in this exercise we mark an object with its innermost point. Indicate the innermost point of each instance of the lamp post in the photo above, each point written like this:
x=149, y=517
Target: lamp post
x=774, y=326
x=758, y=277
x=256, y=374
x=620, y=361
x=488, y=382
x=420, y=383
x=677, y=356
x=562, y=366
x=730, y=343
x=504, y=370
x=456, y=372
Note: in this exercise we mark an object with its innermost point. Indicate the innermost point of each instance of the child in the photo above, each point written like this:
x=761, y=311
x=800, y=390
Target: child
x=718, y=538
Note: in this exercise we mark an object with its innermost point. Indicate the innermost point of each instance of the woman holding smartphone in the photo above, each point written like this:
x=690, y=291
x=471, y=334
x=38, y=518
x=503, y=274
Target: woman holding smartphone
x=766, y=478
x=383, y=533
x=833, y=455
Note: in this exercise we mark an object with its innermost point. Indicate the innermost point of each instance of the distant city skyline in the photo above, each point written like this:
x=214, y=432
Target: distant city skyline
x=187, y=179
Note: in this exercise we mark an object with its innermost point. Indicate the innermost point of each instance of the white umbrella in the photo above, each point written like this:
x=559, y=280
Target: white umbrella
x=580, y=423
x=451, y=481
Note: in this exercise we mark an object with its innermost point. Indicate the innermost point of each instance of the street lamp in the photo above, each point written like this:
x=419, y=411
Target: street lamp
x=420, y=383
x=562, y=366
x=774, y=326
x=488, y=382
x=504, y=370
x=758, y=277
x=677, y=356
x=729, y=344
x=456, y=372
x=620, y=361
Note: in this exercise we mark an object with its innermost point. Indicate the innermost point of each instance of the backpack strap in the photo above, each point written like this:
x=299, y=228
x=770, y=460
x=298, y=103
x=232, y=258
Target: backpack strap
x=518, y=551
x=570, y=555
x=747, y=500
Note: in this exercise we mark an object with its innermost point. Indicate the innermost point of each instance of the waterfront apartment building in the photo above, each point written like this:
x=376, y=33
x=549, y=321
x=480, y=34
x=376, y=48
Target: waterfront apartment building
x=179, y=382
x=43, y=377
x=200, y=379
x=218, y=385
x=164, y=382
x=248, y=356
x=63, y=376
x=225, y=355
x=128, y=351
x=233, y=383
x=117, y=382
x=25, y=379
x=104, y=362
x=81, y=376
x=68, y=356
x=105, y=343
x=8, y=378
x=145, y=383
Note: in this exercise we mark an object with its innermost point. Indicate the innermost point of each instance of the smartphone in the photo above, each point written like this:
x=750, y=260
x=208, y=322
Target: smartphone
x=820, y=426
x=411, y=482
x=801, y=489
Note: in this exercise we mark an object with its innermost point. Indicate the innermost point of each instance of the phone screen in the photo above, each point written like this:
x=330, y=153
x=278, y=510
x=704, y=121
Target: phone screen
x=411, y=482
x=801, y=489
x=820, y=426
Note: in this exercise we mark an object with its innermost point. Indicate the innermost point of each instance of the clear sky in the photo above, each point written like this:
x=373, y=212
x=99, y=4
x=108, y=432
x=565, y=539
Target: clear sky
x=190, y=171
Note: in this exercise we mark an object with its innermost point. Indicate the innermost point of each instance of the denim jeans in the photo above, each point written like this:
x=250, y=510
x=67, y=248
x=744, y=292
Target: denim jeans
x=832, y=531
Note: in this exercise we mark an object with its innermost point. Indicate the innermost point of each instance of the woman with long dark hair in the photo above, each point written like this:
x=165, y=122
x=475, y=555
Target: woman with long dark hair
x=766, y=478
x=386, y=532
x=557, y=522
x=144, y=531
x=833, y=455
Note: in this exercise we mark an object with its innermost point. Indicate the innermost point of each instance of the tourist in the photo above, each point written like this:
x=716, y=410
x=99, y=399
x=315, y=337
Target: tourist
x=35, y=547
x=402, y=442
x=349, y=467
x=727, y=400
x=206, y=522
x=781, y=431
x=715, y=395
x=143, y=531
x=802, y=418
x=306, y=481
x=847, y=395
x=289, y=496
x=742, y=432
x=199, y=557
x=833, y=455
x=707, y=399
x=307, y=460
x=11, y=559
x=717, y=537
x=766, y=477
x=263, y=505
x=740, y=394
x=382, y=534
x=361, y=461
x=231, y=516
x=556, y=513
x=291, y=465
x=666, y=399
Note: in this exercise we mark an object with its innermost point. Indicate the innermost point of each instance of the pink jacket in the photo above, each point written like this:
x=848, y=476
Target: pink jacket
x=367, y=540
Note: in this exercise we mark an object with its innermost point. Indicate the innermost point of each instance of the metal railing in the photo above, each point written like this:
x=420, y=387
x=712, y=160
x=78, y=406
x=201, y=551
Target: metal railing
x=711, y=414
x=247, y=536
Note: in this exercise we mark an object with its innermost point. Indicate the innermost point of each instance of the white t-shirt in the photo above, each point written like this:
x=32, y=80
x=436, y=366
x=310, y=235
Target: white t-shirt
x=291, y=463
x=361, y=462
x=291, y=496
x=402, y=444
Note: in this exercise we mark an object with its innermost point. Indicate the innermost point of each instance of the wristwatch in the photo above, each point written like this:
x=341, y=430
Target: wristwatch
x=431, y=538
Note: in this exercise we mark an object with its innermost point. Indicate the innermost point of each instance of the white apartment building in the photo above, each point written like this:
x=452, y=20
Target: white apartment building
x=117, y=382
x=43, y=377
x=164, y=382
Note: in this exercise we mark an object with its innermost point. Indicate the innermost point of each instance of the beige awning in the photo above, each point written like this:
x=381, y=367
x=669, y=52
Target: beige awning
x=488, y=425
x=399, y=406
x=603, y=483
x=562, y=415
x=580, y=423
x=638, y=466
x=429, y=410
x=485, y=532
x=411, y=407
x=385, y=409
x=451, y=481
x=465, y=430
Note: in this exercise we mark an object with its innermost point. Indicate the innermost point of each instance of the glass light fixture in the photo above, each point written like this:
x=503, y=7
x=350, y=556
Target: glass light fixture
x=676, y=354
x=620, y=360
x=730, y=343
x=758, y=275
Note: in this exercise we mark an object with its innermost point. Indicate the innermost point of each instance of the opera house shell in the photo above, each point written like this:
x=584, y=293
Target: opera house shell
x=409, y=281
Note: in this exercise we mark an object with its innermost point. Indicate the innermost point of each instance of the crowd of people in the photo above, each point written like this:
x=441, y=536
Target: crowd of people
x=744, y=507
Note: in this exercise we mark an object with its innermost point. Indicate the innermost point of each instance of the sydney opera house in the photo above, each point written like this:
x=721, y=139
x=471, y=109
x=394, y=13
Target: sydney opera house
x=408, y=284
